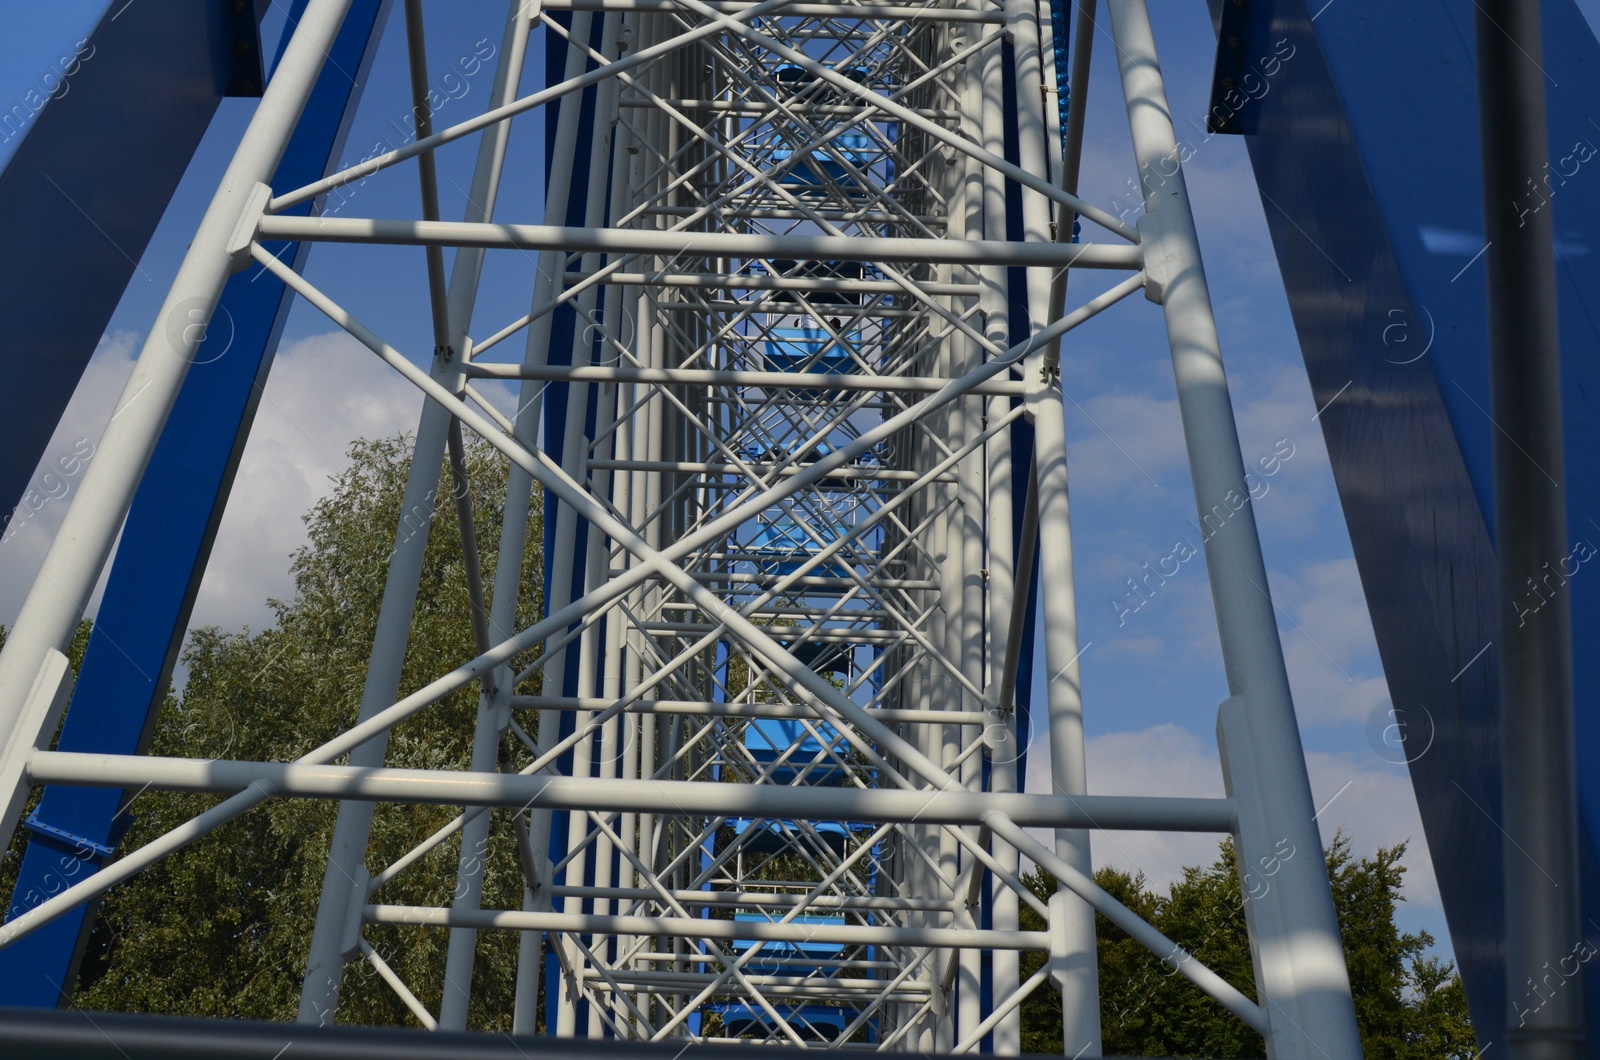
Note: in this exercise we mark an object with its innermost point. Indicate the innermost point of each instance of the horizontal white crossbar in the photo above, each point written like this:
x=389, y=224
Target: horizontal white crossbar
x=697, y=244
x=707, y=708
x=897, y=12
x=698, y=928
x=448, y=787
x=889, y=384
x=735, y=281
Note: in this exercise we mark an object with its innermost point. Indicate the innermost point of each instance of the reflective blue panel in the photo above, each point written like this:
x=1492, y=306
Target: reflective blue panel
x=1365, y=145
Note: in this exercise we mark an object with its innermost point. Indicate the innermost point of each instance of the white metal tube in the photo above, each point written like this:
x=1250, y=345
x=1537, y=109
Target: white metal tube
x=1080, y=996
x=508, y=79
x=760, y=282
x=761, y=988
x=1080, y=988
x=347, y=850
x=469, y=883
x=747, y=709
x=1002, y=482
x=600, y=597
x=860, y=724
x=798, y=986
x=763, y=899
x=885, y=12
x=699, y=928
x=1295, y=935
x=494, y=715
x=403, y=232
x=1078, y=102
x=398, y=985
x=1021, y=175
x=888, y=384
x=536, y=351
x=1014, y=997
x=761, y=177
x=869, y=473
x=444, y=787
x=1213, y=984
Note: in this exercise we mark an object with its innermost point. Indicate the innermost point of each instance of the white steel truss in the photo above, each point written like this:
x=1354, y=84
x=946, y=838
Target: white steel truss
x=763, y=744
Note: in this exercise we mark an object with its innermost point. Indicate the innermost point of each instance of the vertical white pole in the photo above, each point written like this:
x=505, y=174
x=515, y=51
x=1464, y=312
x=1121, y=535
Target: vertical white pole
x=493, y=717
x=1003, y=483
x=343, y=883
x=1079, y=974
x=1080, y=994
x=530, y=957
x=1294, y=935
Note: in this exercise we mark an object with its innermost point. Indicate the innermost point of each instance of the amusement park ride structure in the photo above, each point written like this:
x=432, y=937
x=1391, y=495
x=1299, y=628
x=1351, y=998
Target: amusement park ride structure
x=790, y=390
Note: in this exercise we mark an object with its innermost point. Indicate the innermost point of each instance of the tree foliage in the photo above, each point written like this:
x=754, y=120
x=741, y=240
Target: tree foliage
x=1409, y=1006
x=222, y=927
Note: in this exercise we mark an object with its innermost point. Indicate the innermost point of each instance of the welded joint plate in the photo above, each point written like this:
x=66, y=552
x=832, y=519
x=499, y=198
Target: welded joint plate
x=41, y=715
x=244, y=232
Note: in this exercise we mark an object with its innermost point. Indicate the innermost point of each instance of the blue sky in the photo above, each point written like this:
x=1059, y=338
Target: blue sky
x=1152, y=676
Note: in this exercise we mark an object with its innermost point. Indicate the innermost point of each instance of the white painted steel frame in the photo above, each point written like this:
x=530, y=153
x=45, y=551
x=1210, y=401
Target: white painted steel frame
x=810, y=461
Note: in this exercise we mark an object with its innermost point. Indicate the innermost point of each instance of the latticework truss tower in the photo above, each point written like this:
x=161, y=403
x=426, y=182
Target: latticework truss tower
x=790, y=393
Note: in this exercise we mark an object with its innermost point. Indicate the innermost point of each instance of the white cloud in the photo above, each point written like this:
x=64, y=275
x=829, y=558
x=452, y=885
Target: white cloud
x=1274, y=411
x=1128, y=445
x=1376, y=807
x=34, y=524
x=323, y=393
x=1274, y=405
x=1328, y=643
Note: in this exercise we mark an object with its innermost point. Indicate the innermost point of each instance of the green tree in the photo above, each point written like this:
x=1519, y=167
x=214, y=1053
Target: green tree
x=1409, y=1006
x=222, y=927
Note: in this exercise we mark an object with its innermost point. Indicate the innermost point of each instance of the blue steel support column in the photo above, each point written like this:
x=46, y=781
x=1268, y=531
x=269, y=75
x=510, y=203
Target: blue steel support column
x=165, y=544
x=59, y=126
x=564, y=328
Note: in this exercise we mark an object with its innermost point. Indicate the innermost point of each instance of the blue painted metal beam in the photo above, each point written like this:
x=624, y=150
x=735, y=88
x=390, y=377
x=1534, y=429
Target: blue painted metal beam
x=164, y=547
x=553, y=417
x=1365, y=146
x=69, y=115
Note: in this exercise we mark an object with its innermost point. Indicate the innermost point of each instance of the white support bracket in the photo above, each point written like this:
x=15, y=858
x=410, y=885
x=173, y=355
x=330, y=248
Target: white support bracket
x=36, y=727
x=350, y=941
x=244, y=232
x=1157, y=252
